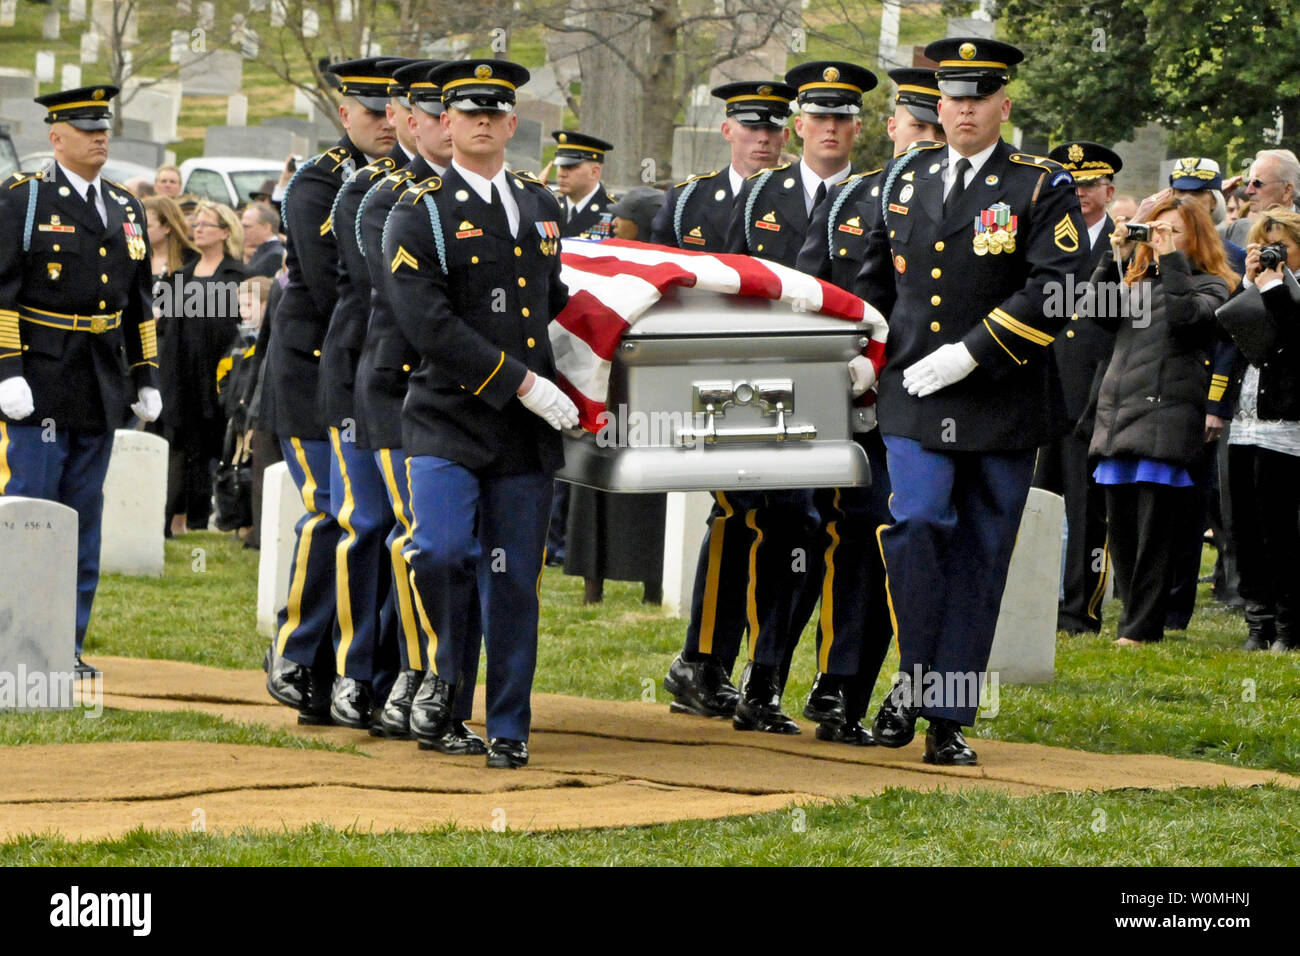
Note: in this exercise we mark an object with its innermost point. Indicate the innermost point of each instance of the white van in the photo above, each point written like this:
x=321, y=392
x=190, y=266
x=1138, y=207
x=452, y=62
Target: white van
x=226, y=179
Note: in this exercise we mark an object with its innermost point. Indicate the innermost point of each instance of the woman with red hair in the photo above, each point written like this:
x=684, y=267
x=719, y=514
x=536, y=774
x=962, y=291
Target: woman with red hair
x=1150, y=421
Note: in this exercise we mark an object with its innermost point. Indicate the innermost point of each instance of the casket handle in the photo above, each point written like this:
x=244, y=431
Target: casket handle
x=773, y=396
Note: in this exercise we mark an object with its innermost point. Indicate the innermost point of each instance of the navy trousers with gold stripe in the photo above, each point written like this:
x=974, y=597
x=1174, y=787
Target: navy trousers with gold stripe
x=69, y=468
x=491, y=528
x=853, y=626
x=717, y=623
x=946, y=554
x=411, y=639
x=306, y=624
x=367, y=636
x=782, y=556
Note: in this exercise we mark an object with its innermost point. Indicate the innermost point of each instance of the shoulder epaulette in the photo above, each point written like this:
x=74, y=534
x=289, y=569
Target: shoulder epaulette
x=697, y=176
x=416, y=190
x=774, y=169
x=380, y=167
x=17, y=179
x=399, y=176
x=526, y=177
x=926, y=144
x=864, y=175
x=1060, y=175
x=338, y=154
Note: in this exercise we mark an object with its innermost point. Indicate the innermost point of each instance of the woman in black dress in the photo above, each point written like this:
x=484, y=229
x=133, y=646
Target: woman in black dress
x=203, y=319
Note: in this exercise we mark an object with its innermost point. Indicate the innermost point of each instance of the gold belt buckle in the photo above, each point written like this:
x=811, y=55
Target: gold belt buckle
x=98, y=324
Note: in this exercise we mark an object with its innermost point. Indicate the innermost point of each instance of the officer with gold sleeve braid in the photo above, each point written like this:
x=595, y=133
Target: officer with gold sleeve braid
x=696, y=215
x=77, y=337
x=973, y=238
x=474, y=282
x=301, y=664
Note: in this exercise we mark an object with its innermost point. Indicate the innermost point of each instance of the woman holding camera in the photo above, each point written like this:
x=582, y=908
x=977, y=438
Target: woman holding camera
x=1150, y=421
x=1264, y=440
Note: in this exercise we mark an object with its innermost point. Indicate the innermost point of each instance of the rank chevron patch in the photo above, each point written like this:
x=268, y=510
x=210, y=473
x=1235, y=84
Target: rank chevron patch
x=1066, y=236
x=404, y=258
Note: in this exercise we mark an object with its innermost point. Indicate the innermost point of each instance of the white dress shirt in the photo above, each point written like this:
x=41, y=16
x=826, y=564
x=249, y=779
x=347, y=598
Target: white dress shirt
x=484, y=186
x=81, y=185
x=811, y=181
x=976, y=162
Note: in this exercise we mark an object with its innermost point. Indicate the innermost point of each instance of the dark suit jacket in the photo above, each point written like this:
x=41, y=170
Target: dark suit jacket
x=922, y=270
x=700, y=208
x=480, y=325
x=267, y=260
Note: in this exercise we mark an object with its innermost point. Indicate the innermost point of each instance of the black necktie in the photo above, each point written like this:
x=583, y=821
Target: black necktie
x=818, y=197
x=90, y=201
x=958, y=186
x=499, y=212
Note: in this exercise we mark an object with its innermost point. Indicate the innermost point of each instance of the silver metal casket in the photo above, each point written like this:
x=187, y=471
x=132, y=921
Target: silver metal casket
x=710, y=391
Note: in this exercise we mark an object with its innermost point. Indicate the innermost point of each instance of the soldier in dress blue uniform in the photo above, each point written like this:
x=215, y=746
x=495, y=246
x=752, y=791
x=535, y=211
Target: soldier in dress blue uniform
x=770, y=220
x=77, y=334
x=696, y=215
x=854, y=627
x=972, y=237
x=474, y=282
x=366, y=659
x=579, y=161
x=386, y=362
x=1081, y=355
x=302, y=667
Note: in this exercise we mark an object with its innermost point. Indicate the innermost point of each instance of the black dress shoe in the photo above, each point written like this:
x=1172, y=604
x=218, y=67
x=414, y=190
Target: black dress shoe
x=351, y=703
x=506, y=754
x=700, y=687
x=895, y=723
x=826, y=702
x=945, y=745
x=395, y=716
x=287, y=681
x=82, y=669
x=849, y=733
x=315, y=709
x=431, y=709
x=759, y=706
x=459, y=741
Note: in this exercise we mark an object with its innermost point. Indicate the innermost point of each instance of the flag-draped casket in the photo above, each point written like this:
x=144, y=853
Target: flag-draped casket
x=699, y=372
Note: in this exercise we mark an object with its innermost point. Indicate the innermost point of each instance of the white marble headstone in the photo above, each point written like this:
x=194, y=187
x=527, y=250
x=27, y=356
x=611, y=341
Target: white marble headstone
x=1024, y=645
x=135, y=505
x=38, y=602
x=45, y=66
x=281, y=508
x=8, y=12
x=70, y=76
x=89, y=47
x=685, y=521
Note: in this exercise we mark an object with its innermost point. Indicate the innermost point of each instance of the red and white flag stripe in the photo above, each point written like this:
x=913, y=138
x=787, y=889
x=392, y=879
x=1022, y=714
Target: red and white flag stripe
x=614, y=282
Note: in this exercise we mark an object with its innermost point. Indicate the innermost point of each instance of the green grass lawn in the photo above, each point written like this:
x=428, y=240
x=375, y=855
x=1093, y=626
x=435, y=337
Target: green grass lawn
x=1184, y=698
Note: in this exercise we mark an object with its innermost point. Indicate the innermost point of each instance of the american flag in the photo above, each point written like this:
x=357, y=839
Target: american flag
x=614, y=282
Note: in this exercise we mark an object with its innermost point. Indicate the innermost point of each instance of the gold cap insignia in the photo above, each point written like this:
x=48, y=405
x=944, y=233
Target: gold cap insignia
x=830, y=74
x=97, y=95
x=966, y=51
x=765, y=91
x=1075, y=152
x=563, y=138
x=483, y=71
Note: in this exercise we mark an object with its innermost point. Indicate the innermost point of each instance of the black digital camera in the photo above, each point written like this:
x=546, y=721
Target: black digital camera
x=1139, y=232
x=1272, y=255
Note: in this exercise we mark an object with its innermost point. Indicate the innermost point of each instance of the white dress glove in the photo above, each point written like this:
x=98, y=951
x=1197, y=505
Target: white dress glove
x=946, y=365
x=547, y=402
x=862, y=374
x=149, y=406
x=16, y=398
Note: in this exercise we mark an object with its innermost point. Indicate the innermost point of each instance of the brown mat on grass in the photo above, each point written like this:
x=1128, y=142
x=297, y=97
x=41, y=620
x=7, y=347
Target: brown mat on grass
x=594, y=764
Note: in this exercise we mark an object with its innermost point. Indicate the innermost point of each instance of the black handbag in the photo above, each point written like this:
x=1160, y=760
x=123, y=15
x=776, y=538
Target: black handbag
x=233, y=486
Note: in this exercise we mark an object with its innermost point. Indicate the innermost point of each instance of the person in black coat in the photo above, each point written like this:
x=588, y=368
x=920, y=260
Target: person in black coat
x=1264, y=440
x=202, y=322
x=263, y=247
x=1150, y=421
